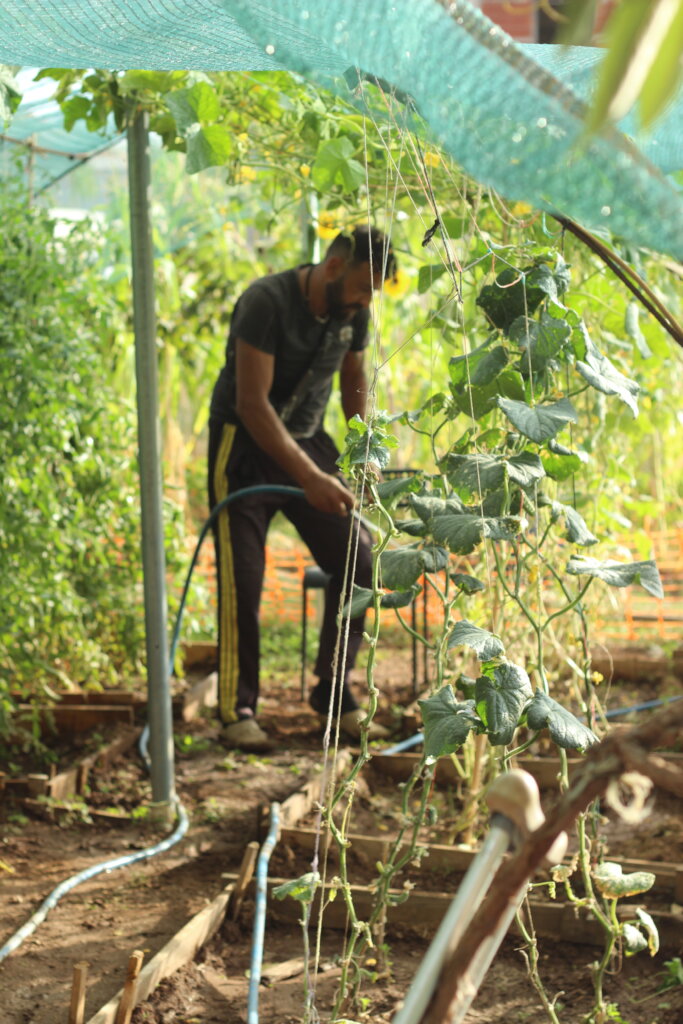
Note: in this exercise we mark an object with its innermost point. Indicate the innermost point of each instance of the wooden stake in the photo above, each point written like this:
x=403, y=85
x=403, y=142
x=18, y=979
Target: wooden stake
x=127, y=1004
x=77, y=1007
x=243, y=879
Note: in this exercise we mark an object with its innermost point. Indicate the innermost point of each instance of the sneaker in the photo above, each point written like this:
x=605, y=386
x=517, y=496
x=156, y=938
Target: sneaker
x=246, y=734
x=350, y=724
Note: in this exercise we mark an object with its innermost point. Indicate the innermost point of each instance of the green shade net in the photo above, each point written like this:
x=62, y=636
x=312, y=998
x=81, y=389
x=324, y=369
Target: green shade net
x=511, y=116
x=37, y=138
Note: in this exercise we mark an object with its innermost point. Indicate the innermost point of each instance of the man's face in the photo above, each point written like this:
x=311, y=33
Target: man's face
x=351, y=291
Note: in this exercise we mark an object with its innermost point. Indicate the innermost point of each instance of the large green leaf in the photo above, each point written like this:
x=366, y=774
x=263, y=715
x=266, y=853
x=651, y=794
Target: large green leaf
x=611, y=881
x=427, y=275
x=560, y=462
x=362, y=599
x=484, y=644
x=461, y=533
x=401, y=568
x=468, y=584
x=482, y=473
x=501, y=695
x=490, y=366
x=475, y=473
x=447, y=722
x=390, y=491
x=619, y=574
x=565, y=730
x=577, y=530
x=301, y=889
x=604, y=377
x=428, y=506
x=478, y=401
x=435, y=559
x=413, y=527
x=399, y=598
x=461, y=368
x=335, y=165
x=211, y=146
x=541, y=342
x=516, y=293
x=538, y=422
x=525, y=469
x=198, y=104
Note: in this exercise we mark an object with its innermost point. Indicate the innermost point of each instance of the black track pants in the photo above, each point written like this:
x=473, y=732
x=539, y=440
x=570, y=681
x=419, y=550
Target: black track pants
x=235, y=462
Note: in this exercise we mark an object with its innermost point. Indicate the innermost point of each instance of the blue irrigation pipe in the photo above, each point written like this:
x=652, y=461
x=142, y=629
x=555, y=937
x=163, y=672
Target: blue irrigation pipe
x=183, y=821
x=412, y=741
x=260, y=914
x=70, y=883
x=616, y=712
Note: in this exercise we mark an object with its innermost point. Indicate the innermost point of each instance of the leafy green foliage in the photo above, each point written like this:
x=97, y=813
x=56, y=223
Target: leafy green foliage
x=501, y=694
x=541, y=422
x=484, y=644
x=302, y=889
x=613, y=883
x=619, y=574
x=565, y=729
x=9, y=93
x=447, y=722
x=367, y=444
x=69, y=518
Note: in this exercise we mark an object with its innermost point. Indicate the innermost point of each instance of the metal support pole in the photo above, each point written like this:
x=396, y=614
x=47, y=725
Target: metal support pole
x=149, y=447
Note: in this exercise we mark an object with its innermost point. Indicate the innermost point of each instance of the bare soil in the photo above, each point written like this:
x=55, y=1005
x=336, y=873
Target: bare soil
x=226, y=793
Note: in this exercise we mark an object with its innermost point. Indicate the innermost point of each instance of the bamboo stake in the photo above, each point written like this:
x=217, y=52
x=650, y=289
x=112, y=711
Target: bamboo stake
x=77, y=1007
x=243, y=879
x=127, y=1003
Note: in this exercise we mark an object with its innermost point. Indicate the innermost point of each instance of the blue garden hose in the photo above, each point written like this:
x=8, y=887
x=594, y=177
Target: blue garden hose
x=260, y=914
x=245, y=492
x=183, y=821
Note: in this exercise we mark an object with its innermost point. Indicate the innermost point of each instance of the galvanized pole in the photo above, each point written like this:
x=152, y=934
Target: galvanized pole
x=149, y=446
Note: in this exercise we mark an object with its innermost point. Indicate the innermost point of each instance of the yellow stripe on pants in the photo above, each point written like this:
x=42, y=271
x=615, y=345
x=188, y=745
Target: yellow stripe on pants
x=228, y=661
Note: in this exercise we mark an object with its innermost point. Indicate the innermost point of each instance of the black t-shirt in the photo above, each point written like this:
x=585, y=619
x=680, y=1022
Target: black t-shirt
x=273, y=316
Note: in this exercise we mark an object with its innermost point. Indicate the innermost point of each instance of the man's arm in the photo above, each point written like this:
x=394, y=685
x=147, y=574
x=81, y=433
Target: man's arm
x=254, y=377
x=353, y=385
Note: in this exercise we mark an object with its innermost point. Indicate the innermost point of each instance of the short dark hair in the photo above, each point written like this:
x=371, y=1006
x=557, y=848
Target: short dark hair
x=365, y=244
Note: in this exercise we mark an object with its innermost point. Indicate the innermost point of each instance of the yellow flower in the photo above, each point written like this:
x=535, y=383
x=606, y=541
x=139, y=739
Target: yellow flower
x=305, y=171
x=397, y=286
x=243, y=137
x=432, y=158
x=328, y=225
x=597, y=677
x=244, y=174
x=521, y=209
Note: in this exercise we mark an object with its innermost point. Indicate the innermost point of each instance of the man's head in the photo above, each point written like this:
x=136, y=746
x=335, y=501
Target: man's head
x=356, y=263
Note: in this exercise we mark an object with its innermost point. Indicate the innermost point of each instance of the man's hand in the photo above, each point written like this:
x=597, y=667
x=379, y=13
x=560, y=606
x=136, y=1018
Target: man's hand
x=328, y=494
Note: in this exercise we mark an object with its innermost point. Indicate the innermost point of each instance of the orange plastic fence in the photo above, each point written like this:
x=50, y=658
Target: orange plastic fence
x=628, y=614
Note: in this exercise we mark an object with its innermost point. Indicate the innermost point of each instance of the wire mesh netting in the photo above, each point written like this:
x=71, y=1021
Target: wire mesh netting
x=510, y=115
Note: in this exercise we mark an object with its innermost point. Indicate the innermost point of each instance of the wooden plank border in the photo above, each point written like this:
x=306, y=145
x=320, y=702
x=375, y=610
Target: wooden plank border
x=669, y=877
x=177, y=952
x=560, y=921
